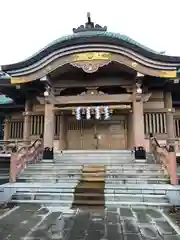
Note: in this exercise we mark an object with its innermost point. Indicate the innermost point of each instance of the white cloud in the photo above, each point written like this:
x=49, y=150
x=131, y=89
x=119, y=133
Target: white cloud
x=27, y=26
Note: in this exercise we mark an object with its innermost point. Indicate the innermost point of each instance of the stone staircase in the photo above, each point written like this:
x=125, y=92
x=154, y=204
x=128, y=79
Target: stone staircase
x=98, y=178
x=4, y=168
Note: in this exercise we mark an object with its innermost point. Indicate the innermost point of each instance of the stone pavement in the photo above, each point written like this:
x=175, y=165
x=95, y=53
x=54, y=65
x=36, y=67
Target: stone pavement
x=32, y=221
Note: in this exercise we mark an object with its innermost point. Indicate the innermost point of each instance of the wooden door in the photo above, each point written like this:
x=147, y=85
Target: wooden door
x=111, y=135
x=118, y=135
x=90, y=134
x=74, y=135
x=102, y=135
x=87, y=134
x=80, y=134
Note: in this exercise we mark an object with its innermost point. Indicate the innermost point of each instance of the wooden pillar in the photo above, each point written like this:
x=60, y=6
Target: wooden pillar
x=6, y=129
x=173, y=165
x=49, y=125
x=138, y=120
x=130, y=135
x=169, y=116
x=62, y=133
x=27, y=125
x=171, y=136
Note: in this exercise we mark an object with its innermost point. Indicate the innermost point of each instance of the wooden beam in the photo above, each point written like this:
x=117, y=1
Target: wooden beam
x=111, y=107
x=158, y=110
x=88, y=99
x=114, y=81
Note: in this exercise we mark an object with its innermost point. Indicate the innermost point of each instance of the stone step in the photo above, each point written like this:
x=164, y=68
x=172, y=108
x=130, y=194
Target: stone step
x=42, y=165
x=49, y=166
x=107, y=180
x=60, y=172
x=93, y=155
x=69, y=190
x=107, y=170
x=105, y=151
x=116, y=204
x=93, y=158
x=107, y=176
x=137, y=181
x=135, y=171
x=4, y=170
x=94, y=161
x=138, y=188
x=109, y=173
x=89, y=196
x=48, y=180
x=112, y=172
x=71, y=194
x=136, y=166
x=2, y=175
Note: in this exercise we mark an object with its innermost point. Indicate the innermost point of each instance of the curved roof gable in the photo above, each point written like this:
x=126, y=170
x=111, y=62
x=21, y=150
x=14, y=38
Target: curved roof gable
x=91, y=33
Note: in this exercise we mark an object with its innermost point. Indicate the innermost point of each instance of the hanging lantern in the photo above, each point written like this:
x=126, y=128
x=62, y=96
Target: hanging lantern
x=78, y=113
x=106, y=113
x=97, y=112
x=88, y=113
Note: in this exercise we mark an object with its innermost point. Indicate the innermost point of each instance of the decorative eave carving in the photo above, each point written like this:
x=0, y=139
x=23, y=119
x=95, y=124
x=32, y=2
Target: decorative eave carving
x=93, y=91
x=90, y=66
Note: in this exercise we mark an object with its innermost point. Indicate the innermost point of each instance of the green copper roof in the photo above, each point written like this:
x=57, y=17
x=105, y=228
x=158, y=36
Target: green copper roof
x=105, y=34
x=5, y=100
x=95, y=33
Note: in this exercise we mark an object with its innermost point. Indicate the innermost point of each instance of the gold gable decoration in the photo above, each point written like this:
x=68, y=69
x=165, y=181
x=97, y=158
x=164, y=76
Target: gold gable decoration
x=168, y=74
x=90, y=56
x=90, y=62
x=15, y=80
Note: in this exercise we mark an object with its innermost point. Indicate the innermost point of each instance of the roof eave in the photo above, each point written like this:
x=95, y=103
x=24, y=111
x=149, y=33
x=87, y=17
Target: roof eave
x=83, y=39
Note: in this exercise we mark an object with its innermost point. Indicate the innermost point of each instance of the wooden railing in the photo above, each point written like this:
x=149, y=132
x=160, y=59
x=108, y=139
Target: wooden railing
x=177, y=146
x=10, y=145
x=166, y=156
x=24, y=155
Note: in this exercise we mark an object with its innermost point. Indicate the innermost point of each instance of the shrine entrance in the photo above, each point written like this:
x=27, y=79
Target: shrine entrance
x=97, y=134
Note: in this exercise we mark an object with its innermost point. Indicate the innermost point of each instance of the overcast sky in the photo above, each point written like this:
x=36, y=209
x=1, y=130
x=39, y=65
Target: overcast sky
x=28, y=25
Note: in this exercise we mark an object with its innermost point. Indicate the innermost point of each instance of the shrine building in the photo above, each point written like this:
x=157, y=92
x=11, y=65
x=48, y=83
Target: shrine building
x=92, y=89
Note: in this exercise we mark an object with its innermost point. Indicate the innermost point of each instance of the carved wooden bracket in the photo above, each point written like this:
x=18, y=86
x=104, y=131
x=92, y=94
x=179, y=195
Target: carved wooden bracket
x=143, y=97
x=90, y=66
x=146, y=97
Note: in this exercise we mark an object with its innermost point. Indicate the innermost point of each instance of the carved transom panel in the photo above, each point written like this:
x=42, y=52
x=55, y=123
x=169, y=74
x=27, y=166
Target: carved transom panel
x=90, y=66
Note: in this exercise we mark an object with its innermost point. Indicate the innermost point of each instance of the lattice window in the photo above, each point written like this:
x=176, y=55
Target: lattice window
x=155, y=123
x=177, y=127
x=57, y=124
x=37, y=125
x=16, y=129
